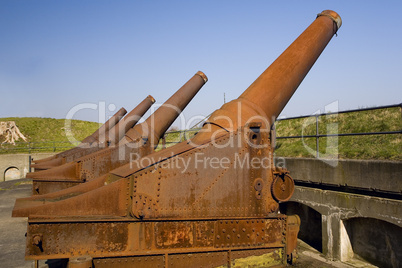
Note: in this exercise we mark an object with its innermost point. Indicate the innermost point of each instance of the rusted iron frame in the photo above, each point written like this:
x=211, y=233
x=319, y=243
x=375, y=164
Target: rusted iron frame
x=215, y=245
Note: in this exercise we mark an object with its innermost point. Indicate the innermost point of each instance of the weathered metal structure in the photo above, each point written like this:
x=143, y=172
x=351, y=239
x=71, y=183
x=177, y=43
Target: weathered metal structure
x=109, y=134
x=138, y=141
x=210, y=201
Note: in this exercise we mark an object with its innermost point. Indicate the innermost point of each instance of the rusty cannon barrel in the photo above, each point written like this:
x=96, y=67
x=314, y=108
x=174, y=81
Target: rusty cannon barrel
x=220, y=190
x=138, y=141
x=156, y=125
x=129, y=121
x=99, y=135
x=94, y=137
x=266, y=97
x=106, y=138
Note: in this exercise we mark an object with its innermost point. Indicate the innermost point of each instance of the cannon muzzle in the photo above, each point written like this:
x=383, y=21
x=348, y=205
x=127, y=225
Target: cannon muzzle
x=101, y=133
x=130, y=120
x=156, y=125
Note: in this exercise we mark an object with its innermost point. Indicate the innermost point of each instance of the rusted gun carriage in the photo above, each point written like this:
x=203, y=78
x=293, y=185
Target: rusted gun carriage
x=206, y=202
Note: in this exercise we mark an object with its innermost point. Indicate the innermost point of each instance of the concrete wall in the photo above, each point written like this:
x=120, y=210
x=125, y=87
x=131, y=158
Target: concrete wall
x=361, y=193
x=18, y=164
x=383, y=176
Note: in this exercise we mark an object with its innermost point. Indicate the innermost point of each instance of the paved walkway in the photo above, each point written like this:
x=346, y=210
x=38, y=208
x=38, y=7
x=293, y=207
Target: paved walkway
x=12, y=236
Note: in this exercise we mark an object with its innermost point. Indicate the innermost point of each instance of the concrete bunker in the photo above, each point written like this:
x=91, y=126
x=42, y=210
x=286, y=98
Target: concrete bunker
x=376, y=241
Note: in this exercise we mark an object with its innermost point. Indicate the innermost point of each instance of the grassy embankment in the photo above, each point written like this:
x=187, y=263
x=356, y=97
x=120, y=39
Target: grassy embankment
x=385, y=147
x=41, y=131
x=44, y=134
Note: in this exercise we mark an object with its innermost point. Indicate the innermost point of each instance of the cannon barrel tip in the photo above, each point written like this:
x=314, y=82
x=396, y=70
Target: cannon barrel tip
x=333, y=16
x=203, y=76
x=151, y=98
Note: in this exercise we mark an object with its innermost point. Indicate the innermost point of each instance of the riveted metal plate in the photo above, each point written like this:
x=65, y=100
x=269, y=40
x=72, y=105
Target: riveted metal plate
x=44, y=187
x=69, y=239
x=249, y=233
x=129, y=262
x=174, y=234
x=204, y=233
x=209, y=259
x=184, y=234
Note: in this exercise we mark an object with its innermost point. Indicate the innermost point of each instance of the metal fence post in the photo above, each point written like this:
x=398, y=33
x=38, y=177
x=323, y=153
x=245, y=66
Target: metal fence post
x=317, y=137
x=29, y=163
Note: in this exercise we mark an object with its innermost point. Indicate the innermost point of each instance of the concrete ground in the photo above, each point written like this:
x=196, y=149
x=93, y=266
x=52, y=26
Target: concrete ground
x=12, y=238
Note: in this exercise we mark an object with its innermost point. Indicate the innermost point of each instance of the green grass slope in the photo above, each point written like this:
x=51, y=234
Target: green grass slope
x=47, y=133
x=387, y=147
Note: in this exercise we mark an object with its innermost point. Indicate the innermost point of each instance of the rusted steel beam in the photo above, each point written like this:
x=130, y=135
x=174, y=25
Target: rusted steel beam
x=244, y=238
x=137, y=142
x=110, y=137
x=218, y=193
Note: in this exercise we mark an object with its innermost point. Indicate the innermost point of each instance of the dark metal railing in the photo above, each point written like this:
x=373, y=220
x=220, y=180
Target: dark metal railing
x=29, y=147
x=317, y=135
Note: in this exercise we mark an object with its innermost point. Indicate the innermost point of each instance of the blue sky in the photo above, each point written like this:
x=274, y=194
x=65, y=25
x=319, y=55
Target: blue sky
x=55, y=55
